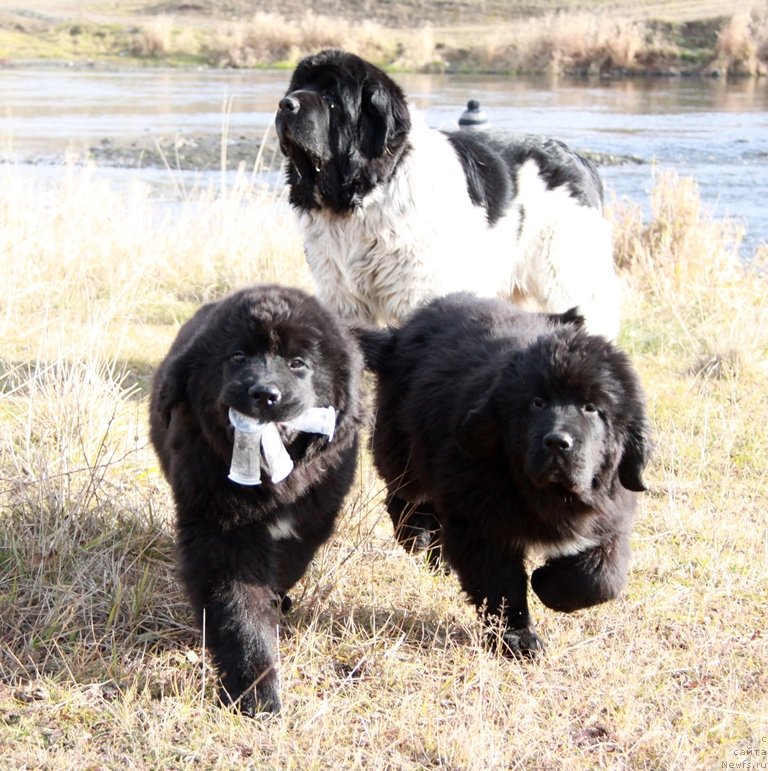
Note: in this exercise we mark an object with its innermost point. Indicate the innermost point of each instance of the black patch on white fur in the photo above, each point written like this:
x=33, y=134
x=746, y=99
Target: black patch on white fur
x=337, y=155
x=489, y=181
x=345, y=128
x=491, y=162
x=557, y=163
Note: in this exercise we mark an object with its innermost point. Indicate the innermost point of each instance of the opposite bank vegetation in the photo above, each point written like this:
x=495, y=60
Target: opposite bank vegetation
x=562, y=42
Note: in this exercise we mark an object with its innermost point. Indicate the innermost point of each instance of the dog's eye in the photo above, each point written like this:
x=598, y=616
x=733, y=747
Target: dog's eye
x=537, y=403
x=297, y=364
x=589, y=407
x=238, y=357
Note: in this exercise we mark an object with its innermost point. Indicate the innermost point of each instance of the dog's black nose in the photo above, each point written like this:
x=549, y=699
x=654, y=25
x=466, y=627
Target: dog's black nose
x=289, y=104
x=264, y=396
x=558, y=442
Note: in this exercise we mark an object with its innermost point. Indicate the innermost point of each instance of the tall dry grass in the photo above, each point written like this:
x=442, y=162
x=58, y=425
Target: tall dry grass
x=270, y=38
x=559, y=42
x=690, y=264
x=155, y=38
x=574, y=42
x=382, y=661
x=742, y=43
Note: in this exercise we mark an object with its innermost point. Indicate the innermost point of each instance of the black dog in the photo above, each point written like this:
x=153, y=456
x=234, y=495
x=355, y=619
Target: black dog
x=510, y=434
x=395, y=212
x=270, y=354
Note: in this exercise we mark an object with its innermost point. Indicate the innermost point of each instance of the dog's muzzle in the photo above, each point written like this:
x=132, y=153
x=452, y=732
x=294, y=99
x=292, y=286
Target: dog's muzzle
x=555, y=459
x=302, y=124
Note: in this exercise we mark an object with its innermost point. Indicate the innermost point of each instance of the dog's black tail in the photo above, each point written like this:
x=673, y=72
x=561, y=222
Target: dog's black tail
x=571, y=316
x=376, y=344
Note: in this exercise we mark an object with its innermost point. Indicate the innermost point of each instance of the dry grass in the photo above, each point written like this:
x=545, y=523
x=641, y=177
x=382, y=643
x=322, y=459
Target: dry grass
x=742, y=43
x=557, y=42
x=689, y=265
x=269, y=38
x=155, y=38
x=382, y=666
x=573, y=42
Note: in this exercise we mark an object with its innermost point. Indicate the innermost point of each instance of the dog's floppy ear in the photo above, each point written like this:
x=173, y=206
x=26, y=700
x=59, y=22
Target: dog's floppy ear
x=478, y=433
x=384, y=116
x=637, y=449
x=172, y=389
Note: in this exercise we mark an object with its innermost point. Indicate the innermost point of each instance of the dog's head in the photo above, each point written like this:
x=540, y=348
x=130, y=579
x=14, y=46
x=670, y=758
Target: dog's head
x=268, y=352
x=343, y=126
x=570, y=414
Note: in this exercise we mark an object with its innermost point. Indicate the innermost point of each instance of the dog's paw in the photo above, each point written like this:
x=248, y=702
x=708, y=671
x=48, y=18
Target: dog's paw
x=552, y=584
x=260, y=704
x=252, y=697
x=259, y=701
x=515, y=643
x=580, y=581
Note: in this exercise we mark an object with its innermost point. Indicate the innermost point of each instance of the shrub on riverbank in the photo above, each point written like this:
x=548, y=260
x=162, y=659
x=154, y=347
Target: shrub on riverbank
x=742, y=44
x=573, y=43
x=100, y=664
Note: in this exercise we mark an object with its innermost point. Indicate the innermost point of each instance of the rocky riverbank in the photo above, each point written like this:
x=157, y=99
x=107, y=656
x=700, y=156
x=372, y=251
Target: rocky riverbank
x=206, y=153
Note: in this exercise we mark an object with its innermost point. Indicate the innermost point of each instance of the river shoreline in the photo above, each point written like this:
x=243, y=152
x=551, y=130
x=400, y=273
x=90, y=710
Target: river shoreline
x=207, y=153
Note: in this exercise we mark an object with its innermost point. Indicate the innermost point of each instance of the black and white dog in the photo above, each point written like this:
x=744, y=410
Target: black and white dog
x=395, y=212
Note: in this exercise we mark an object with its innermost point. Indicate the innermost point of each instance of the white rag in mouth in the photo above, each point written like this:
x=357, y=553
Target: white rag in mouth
x=258, y=445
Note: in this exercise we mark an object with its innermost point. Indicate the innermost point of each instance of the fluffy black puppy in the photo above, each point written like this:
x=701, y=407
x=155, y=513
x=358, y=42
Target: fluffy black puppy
x=510, y=435
x=270, y=353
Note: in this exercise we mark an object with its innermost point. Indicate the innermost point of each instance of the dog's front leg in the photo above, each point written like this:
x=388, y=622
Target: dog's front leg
x=228, y=579
x=588, y=578
x=493, y=575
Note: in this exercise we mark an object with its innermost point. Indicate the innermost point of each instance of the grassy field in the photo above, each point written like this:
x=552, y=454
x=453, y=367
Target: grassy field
x=588, y=37
x=382, y=662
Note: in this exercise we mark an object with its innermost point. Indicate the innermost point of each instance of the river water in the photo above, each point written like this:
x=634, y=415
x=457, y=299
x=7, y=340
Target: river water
x=709, y=129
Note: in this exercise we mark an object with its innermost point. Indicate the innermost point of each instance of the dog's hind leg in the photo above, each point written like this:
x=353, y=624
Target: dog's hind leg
x=417, y=529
